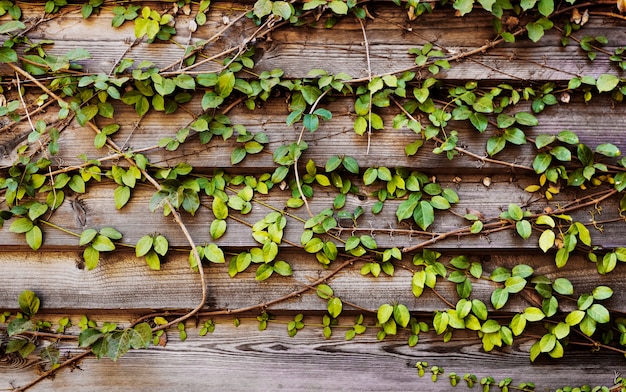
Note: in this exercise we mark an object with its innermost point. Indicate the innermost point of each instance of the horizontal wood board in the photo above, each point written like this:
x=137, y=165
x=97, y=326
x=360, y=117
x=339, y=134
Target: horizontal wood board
x=243, y=358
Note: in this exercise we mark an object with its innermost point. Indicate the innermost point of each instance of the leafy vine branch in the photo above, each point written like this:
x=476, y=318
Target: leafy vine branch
x=346, y=205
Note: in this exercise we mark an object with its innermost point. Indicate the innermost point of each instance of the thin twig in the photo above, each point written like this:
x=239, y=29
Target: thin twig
x=369, y=78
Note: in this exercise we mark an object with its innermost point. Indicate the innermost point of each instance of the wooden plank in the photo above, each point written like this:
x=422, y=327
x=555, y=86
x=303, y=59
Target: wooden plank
x=124, y=283
x=335, y=137
x=244, y=359
x=340, y=49
x=96, y=209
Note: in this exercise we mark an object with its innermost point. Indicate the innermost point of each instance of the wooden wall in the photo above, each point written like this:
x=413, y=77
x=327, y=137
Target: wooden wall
x=122, y=288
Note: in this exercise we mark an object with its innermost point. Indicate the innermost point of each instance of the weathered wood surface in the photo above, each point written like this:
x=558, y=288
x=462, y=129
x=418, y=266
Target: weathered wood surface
x=244, y=359
x=123, y=282
x=335, y=137
x=340, y=49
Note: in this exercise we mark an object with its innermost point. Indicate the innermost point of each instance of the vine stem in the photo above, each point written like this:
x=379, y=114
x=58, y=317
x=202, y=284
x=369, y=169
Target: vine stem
x=267, y=304
x=464, y=151
x=295, y=161
x=150, y=179
x=369, y=78
x=50, y=372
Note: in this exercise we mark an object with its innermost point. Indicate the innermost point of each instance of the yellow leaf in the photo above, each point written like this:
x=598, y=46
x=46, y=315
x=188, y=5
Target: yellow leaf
x=532, y=188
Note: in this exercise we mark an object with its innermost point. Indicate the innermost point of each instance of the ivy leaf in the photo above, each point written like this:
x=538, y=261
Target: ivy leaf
x=546, y=240
x=495, y=144
x=153, y=261
x=283, y=268
x=334, y=307
x=607, y=82
x=338, y=7
x=28, y=302
x=91, y=257
x=599, y=313
x=401, y=315
x=609, y=150
x=140, y=336
x=238, y=155
x=264, y=272
x=144, y=245
x=262, y=8
x=463, y=6
x=563, y=286
x=34, y=238
x=499, y=297
x=160, y=245
x=218, y=228
x=424, y=215
x=103, y=244
x=524, y=229
x=535, y=31
x=8, y=55
x=121, y=196
x=385, y=311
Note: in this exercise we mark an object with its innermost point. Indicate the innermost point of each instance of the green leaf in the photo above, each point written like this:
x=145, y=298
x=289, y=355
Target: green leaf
x=515, y=136
x=609, y=150
x=87, y=236
x=21, y=225
x=599, y=313
x=8, y=55
x=524, y=228
x=220, y=209
x=264, y=272
x=401, y=315
x=334, y=307
x=563, y=286
x=218, y=228
x=602, y=292
x=463, y=6
x=238, y=155
x=535, y=31
x=121, y=196
x=10, y=26
x=525, y=118
x=515, y=212
x=338, y=7
x=370, y=175
x=144, y=245
x=574, y=317
x=28, y=302
x=495, y=144
x=283, y=268
x=541, y=163
x=160, y=245
x=533, y=314
x=103, y=243
x=546, y=240
x=440, y=203
x=153, y=261
x=34, y=238
x=499, y=297
x=140, y=336
x=262, y=8
x=385, y=311
x=424, y=215
x=518, y=324
x=607, y=82
x=19, y=325
x=91, y=257
x=324, y=291
x=515, y=284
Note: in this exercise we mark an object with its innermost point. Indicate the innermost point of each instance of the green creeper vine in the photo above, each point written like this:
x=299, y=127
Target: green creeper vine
x=33, y=187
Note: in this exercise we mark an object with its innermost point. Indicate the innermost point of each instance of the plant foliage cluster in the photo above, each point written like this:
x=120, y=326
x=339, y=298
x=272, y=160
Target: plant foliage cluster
x=33, y=188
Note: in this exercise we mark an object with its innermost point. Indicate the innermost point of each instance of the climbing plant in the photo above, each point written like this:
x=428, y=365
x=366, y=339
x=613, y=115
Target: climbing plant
x=36, y=185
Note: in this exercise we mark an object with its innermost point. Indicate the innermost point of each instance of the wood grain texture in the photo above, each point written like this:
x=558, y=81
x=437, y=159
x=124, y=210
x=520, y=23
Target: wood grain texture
x=244, y=359
x=334, y=137
x=97, y=210
x=124, y=282
x=340, y=49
